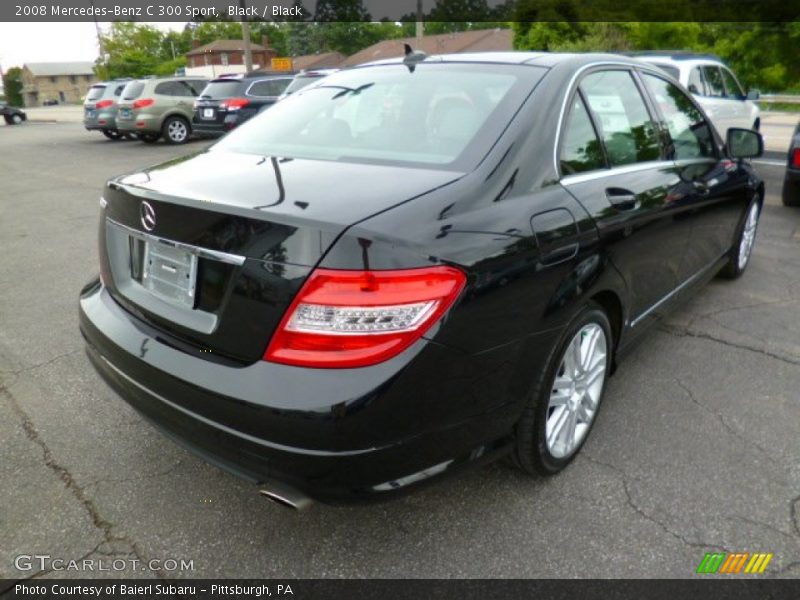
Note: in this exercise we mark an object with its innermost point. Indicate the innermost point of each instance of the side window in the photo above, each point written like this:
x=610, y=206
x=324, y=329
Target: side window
x=696, y=84
x=268, y=87
x=580, y=149
x=197, y=85
x=688, y=130
x=731, y=85
x=165, y=88
x=119, y=89
x=624, y=124
x=184, y=88
x=714, y=85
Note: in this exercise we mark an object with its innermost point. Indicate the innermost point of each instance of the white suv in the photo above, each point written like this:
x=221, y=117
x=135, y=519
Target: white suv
x=714, y=86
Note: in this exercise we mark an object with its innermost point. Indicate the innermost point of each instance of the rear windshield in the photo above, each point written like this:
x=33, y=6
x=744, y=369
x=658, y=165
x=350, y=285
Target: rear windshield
x=670, y=70
x=389, y=114
x=95, y=92
x=300, y=82
x=224, y=88
x=133, y=90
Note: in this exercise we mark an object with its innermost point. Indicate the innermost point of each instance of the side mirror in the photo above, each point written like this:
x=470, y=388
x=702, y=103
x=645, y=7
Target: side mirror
x=744, y=143
x=753, y=94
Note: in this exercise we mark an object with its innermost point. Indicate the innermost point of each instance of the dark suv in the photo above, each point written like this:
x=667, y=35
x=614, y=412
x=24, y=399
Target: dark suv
x=230, y=101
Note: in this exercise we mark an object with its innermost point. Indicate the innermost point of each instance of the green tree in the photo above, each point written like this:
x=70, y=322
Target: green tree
x=12, y=86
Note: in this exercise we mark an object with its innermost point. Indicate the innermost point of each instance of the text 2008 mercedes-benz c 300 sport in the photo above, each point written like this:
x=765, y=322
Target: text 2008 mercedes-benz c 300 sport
x=414, y=265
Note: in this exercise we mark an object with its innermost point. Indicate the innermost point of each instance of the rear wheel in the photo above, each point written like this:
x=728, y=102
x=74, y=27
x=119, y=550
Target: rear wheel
x=112, y=134
x=14, y=119
x=566, y=395
x=149, y=138
x=176, y=130
x=739, y=256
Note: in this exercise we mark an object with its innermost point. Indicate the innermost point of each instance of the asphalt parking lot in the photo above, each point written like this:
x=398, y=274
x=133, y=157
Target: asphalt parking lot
x=697, y=447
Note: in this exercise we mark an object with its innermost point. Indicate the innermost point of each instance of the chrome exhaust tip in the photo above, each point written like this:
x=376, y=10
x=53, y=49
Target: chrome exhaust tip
x=286, y=496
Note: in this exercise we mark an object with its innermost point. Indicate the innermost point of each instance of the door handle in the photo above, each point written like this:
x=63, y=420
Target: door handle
x=622, y=199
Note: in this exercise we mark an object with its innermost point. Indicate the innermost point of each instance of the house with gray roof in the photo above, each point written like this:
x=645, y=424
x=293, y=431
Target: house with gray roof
x=61, y=82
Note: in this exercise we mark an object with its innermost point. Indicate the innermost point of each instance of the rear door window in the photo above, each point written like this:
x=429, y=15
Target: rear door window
x=732, y=87
x=268, y=87
x=689, y=131
x=696, y=84
x=581, y=149
x=714, y=86
x=166, y=88
x=625, y=127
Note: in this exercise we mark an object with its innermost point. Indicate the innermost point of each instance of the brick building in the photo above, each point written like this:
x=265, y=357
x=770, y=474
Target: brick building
x=226, y=56
x=65, y=83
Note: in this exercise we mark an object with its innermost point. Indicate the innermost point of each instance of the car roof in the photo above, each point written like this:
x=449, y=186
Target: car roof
x=543, y=59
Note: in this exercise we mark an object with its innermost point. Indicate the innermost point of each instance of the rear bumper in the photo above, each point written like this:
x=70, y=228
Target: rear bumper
x=791, y=186
x=140, y=123
x=102, y=121
x=330, y=434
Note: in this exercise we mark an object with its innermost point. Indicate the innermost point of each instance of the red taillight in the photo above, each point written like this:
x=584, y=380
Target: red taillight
x=796, y=158
x=343, y=319
x=143, y=103
x=104, y=104
x=234, y=103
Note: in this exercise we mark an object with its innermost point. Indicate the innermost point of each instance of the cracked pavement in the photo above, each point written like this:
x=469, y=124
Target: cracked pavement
x=696, y=448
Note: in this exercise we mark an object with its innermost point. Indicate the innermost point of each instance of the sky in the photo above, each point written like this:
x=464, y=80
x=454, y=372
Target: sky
x=52, y=42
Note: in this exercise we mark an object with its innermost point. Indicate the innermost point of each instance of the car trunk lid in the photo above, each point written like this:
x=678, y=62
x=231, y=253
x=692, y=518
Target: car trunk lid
x=212, y=262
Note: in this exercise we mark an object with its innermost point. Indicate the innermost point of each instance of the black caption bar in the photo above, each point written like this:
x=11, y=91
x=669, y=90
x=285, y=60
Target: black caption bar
x=402, y=10
x=475, y=589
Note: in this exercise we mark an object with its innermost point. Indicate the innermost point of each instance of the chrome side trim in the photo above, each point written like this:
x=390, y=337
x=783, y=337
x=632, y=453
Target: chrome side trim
x=592, y=175
x=231, y=259
x=686, y=283
x=559, y=125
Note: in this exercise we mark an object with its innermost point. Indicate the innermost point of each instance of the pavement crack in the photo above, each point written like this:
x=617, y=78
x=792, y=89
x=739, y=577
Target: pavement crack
x=43, y=364
x=720, y=418
x=105, y=527
x=686, y=332
x=765, y=526
x=794, y=515
x=624, y=478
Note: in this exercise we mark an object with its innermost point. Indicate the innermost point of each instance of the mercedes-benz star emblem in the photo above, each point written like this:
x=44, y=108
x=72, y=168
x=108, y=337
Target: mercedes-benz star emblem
x=148, y=216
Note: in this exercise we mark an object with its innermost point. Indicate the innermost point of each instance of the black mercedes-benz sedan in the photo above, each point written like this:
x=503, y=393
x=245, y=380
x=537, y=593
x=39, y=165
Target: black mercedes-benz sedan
x=415, y=265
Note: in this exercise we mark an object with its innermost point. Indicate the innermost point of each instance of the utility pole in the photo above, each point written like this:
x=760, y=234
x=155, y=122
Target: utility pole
x=420, y=25
x=248, y=53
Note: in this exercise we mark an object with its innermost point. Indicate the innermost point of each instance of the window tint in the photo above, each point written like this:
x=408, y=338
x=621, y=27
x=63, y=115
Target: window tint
x=197, y=85
x=167, y=88
x=133, y=90
x=624, y=123
x=714, y=85
x=696, y=83
x=580, y=148
x=389, y=114
x=688, y=130
x=221, y=88
x=95, y=93
x=268, y=87
x=731, y=85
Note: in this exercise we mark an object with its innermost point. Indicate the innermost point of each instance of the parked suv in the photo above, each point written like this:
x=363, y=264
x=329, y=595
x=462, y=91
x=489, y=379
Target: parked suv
x=229, y=101
x=714, y=86
x=305, y=78
x=151, y=108
x=100, y=107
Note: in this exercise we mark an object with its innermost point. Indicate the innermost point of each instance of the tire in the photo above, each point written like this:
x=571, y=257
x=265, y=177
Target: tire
x=16, y=119
x=533, y=453
x=149, y=138
x=176, y=130
x=112, y=134
x=742, y=249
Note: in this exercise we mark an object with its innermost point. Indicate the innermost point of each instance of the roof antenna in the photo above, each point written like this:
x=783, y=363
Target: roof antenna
x=413, y=57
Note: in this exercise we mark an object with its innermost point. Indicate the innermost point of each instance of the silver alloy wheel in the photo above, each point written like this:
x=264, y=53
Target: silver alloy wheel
x=748, y=236
x=576, y=391
x=16, y=119
x=177, y=131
